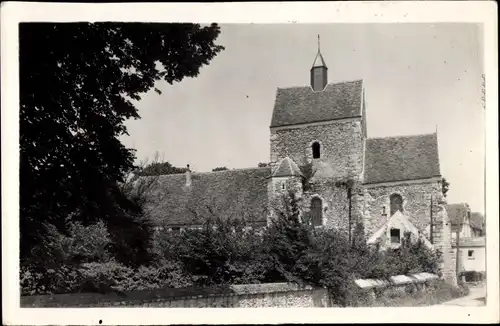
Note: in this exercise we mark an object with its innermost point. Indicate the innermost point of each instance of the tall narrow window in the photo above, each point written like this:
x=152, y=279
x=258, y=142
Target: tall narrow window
x=395, y=236
x=316, y=211
x=316, y=149
x=396, y=203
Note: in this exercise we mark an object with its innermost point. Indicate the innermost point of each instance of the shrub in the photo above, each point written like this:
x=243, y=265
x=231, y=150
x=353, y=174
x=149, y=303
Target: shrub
x=223, y=251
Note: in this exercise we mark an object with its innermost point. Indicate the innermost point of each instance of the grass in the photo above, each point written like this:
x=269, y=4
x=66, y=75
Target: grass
x=435, y=294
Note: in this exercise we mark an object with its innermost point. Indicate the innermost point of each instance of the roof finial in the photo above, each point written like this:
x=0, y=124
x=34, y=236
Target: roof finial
x=318, y=43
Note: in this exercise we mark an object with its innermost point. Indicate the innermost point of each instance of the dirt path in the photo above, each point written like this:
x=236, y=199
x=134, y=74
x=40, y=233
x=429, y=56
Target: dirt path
x=476, y=297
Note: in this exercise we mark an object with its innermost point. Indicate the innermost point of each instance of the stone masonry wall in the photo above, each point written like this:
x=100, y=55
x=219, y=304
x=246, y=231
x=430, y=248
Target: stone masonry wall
x=241, y=296
x=341, y=159
x=341, y=147
x=416, y=204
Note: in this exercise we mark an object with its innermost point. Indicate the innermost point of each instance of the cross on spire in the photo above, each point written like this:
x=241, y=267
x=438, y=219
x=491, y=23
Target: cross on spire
x=318, y=43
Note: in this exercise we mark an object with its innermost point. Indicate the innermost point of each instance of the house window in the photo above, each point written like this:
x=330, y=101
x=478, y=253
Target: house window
x=395, y=236
x=176, y=229
x=470, y=253
x=316, y=211
x=383, y=211
x=283, y=186
x=316, y=149
x=396, y=203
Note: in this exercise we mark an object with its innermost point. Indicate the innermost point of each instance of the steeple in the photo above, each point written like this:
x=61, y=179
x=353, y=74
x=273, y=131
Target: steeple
x=319, y=72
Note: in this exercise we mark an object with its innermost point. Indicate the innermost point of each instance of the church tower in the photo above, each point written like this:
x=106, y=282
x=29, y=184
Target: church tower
x=319, y=127
x=319, y=72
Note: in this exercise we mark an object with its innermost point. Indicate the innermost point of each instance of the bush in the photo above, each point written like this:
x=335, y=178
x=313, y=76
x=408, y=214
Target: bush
x=472, y=276
x=62, y=279
x=222, y=251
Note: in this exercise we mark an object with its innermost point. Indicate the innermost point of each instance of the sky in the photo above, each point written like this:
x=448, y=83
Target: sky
x=418, y=78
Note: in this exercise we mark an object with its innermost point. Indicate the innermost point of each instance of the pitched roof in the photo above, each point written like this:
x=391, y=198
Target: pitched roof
x=477, y=220
x=399, y=221
x=287, y=168
x=319, y=61
x=401, y=158
x=231, y=193
x=470, y=242
x=296, y=105
x=456, y=214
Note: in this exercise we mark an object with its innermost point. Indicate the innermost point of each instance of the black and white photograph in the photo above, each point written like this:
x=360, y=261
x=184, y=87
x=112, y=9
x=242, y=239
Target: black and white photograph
x=218, y=164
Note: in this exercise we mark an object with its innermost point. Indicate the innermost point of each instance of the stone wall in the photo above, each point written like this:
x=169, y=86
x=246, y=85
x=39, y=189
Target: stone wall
x=395, y=286
x=341, y=147
x=416, y=204
x=341, y=159
x=235, y=296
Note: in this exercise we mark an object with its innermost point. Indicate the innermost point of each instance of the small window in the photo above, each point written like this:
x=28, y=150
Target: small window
x=396, y=203
x=283, y=186
x=395, y=236
x=383, y=211
x=316, y=150
x=176, y=229
x=470, y=253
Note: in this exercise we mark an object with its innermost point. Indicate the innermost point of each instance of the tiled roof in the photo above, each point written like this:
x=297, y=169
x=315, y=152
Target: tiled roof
x=401, y=158
x=231, y=193
x=470, y=242
x=287, y=168
x=456, y=214
x=477, y=221
x=298, y=105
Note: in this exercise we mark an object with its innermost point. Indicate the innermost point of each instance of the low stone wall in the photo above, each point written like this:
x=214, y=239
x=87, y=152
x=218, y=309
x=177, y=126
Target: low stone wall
x=399, y=285
x=235, y=296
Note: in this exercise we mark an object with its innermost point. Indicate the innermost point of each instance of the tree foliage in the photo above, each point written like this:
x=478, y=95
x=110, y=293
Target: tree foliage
x=221, y=168
x=445, y=186
x=161, y=168
x=77, y=86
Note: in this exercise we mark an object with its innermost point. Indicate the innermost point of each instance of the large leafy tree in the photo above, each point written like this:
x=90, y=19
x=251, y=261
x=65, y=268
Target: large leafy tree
x=77, y=81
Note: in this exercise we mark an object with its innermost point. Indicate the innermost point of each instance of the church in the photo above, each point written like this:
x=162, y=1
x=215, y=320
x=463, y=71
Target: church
x=384, y=186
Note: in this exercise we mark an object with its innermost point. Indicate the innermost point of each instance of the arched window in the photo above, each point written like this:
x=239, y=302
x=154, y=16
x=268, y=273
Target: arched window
x=396, y=203
x=316, y=149
x=316, y=211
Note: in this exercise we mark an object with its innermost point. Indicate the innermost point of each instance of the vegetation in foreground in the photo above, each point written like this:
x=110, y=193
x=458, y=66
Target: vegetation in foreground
x=224, y=251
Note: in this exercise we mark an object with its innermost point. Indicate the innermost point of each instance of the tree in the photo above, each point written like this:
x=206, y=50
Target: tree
x=445, y=186
x=77, y=83
x=222, y=168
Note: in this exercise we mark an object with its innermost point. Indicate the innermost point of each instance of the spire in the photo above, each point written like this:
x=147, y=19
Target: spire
x=319, y=61
x=319, y=70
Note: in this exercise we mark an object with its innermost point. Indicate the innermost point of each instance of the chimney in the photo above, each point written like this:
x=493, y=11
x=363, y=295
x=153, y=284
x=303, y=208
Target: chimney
x=188, y=177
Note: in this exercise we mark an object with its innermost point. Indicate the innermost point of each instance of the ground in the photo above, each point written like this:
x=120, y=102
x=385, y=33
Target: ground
x=476, y=297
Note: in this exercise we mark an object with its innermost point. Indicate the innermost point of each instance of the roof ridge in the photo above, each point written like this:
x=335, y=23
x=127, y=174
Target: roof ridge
x=403, y=136
x=328, y=84
x=233, y=170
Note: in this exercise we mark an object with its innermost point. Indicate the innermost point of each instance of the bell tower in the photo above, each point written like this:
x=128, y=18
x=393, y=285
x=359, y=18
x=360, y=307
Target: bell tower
x=319, y=72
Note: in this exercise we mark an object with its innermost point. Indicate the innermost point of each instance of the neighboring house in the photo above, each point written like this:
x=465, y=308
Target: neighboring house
x=463, y=221
x=357, y=180
x=472, y=255
x=477, y=224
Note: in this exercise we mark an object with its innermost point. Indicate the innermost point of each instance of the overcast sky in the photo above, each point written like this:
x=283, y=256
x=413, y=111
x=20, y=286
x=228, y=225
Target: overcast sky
x=416, y=76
